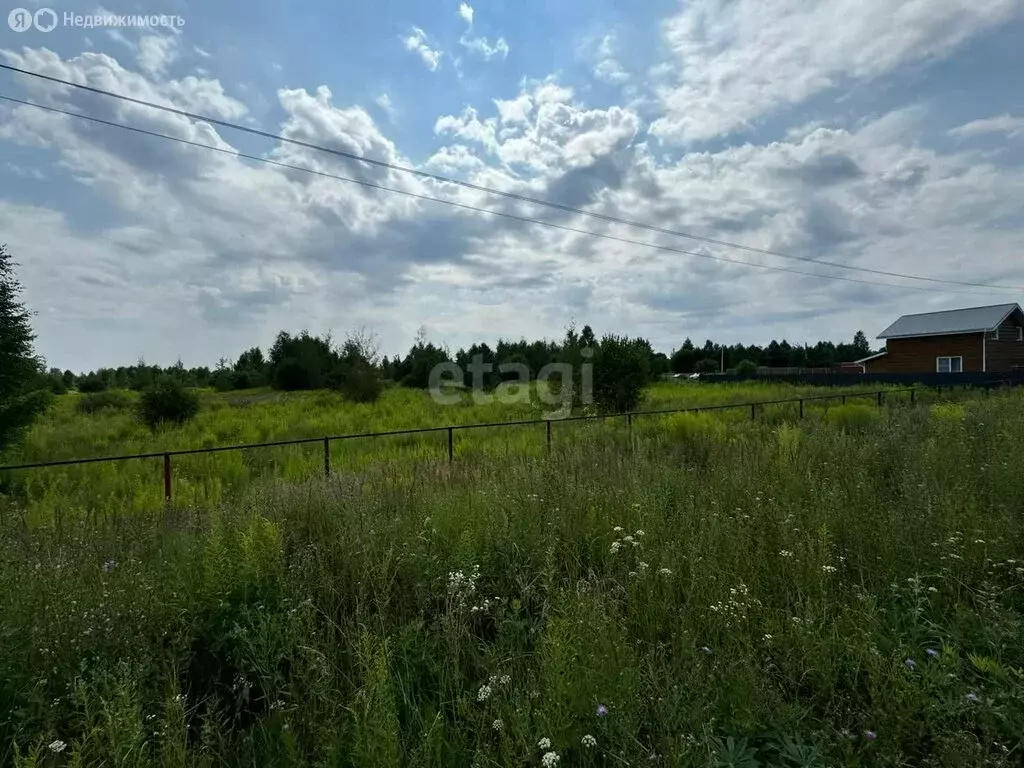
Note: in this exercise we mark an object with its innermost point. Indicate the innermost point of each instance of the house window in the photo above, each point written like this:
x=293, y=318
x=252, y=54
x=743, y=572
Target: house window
x=1020, y=333
x=994, y=335
x=949, y=364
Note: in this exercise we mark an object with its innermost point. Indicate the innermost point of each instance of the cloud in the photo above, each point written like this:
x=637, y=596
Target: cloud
x=156, y=53
x=607, y=68
x=416, y=42
x=466, y=13
x=384, y=102
x=199, y=254
x=468, y=126
x=733, y=62
x=1010, y=126
x=482, y=46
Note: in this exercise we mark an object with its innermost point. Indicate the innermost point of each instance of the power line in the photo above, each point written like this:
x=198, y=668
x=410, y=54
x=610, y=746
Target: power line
x=491, y=191
x=464, y=206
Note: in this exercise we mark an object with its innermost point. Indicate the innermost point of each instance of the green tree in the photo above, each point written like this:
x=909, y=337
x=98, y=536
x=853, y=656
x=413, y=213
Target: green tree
x=622, y=368
x=861, y=348
x=22, y=395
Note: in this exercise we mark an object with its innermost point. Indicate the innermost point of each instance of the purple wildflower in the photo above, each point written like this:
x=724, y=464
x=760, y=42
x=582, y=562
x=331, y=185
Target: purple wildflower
x=932, y=652
x=973, y=698
x=870, y=735
x=910, y=664
x=601, y=710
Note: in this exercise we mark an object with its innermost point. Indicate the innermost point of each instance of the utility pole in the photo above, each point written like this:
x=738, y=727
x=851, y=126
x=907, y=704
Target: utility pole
x=723, y=359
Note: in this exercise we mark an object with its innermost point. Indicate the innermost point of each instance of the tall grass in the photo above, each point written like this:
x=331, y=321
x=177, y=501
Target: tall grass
x=98, y=490
x=793, y=593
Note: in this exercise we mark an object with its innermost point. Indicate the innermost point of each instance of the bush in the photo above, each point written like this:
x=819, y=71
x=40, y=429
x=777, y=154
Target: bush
x=168, y=402
x=707, y=365
x=852, y=418
x=359, y=383
x=110, y=400
x=746, y=367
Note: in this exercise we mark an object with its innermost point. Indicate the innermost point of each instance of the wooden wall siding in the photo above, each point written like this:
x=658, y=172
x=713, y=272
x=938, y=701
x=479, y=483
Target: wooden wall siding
x=918, y=355
x=1007, y=353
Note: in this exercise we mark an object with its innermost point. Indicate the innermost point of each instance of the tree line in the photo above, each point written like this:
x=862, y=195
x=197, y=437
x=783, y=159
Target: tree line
x=305, y=361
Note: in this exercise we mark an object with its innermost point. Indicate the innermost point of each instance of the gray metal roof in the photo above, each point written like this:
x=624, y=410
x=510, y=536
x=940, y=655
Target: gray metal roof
x=970, y=320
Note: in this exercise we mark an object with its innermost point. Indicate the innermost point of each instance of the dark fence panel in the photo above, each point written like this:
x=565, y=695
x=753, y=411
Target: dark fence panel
x=972, y=379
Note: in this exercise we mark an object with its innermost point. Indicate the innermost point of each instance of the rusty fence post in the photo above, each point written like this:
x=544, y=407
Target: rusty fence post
x=167, y=477
x=879, y=398
x=801, y=408
x=451, y=444
x=753, y=411
x=327, y=457
x=549, y=434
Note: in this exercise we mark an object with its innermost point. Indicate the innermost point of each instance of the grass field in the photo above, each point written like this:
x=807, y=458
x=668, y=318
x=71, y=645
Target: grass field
x=264, y=416
x=706, y=590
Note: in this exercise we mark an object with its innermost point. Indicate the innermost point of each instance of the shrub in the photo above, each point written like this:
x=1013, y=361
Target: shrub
x=707, y=365
x=359, y=383
x=109, y=400
x=852, y=418
x=746, y=367
x=168, y=401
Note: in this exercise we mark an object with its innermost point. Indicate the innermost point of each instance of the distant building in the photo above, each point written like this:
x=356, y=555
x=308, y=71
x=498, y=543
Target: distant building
x=977, y=339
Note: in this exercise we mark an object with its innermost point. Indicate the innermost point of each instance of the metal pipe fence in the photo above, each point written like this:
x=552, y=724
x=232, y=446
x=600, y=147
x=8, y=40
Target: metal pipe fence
x=326, y=441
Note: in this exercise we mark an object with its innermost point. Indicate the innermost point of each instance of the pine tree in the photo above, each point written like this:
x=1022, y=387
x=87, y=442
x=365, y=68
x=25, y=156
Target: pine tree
x=22, y=397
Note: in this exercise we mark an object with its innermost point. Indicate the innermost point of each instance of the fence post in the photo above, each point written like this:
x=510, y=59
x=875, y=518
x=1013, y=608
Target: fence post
x=912, y=399
x=801, y=408
x=879, y=398
x=844, y=399
x=327, y=457
x=451, y=444
x=753, y=411
x=549, y=434
x=167, y=477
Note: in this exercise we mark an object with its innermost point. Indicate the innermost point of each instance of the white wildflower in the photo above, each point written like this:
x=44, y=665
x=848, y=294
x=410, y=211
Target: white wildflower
x=665, y=571
x=549, y=760
x=544, y=743
x=785, y=553
x=617, y=529
x=640, y=534
x=589, y=741
x=57, y=746
x=828, y=568
x=632, y=574
x=616, y=545
x=504, y=680
x=642, y=566
x=628, y=539
x=484, y=693
x=497, y=725
x=767, y=637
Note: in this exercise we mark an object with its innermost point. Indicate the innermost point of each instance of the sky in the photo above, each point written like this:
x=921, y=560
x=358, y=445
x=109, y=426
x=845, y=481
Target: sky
x=874, y=134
